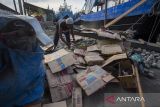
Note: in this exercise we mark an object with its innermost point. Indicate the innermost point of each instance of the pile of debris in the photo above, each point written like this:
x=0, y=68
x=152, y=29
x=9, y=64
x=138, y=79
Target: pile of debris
x=150, y=58
x=87, y=68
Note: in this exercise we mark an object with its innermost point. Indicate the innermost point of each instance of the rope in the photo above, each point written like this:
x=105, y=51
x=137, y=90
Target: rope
x=137, y=21
x=156, y=23
x=153, y=30
x=152, y=9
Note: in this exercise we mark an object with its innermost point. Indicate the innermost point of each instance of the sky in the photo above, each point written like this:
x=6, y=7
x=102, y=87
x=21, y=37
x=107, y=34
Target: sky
x=76, y=4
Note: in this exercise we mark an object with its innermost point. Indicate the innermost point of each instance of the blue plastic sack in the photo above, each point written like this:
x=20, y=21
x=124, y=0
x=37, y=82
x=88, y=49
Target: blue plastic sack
x=22, y=81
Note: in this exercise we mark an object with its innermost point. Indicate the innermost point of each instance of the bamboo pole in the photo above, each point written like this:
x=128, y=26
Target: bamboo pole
x=139, y=86
x=125, y=14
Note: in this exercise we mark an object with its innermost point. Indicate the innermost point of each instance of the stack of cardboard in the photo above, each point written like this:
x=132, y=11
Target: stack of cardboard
x=92, y=56
x=58, y=74
x=96, y=77
x=60, y=85
x=95, y=67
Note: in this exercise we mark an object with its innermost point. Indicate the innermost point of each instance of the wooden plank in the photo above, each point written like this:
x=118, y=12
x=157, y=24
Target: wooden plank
x=114, y=58
x=139, y=86
x=125, y=14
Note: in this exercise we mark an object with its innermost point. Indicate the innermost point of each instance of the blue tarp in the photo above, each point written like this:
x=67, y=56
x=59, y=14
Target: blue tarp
x=116, y=11
x=21, y=76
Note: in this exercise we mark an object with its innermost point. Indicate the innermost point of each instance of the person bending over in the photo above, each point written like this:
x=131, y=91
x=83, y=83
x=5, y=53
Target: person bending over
x=65, y=27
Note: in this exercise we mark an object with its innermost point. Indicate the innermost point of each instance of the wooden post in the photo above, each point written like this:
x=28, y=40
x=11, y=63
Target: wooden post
x=125, y=14
x=14, y=2
x=105, y=12
x=20, y=7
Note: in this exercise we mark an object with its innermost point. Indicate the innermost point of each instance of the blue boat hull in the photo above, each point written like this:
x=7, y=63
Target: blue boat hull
x=143, y=27
x=116, y=11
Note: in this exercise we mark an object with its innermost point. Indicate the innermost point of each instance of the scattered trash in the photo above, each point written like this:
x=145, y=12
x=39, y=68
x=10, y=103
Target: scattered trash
x=100, y=59
x=150, y=59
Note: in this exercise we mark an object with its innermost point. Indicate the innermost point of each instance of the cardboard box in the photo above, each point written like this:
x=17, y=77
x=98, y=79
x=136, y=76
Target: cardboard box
x=77, y=97
x=127, y=80
x=60, y=93
x=111, y=49
x=91, y=80
x=57, y=104
x=100, y=43
x=94, y=60
x=60, y=85
x=93, y=48
x=59, y=60
x=80, y=60
x=58, y=79
x=92, y=53
x=80, y=52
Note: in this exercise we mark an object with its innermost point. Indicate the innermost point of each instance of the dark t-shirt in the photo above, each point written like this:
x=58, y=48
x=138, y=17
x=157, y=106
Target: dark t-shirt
x=62, y=25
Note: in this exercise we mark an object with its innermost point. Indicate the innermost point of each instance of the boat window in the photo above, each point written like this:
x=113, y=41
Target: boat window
x=112, y=3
